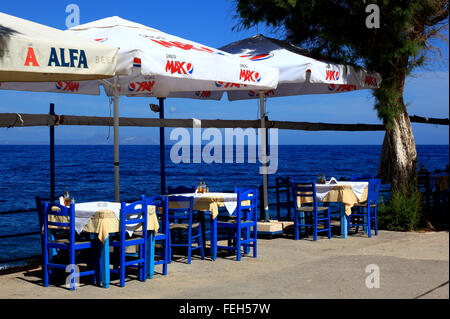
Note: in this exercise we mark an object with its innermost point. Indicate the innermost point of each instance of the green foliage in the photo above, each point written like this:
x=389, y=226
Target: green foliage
x=403, y=212
x=337, y=29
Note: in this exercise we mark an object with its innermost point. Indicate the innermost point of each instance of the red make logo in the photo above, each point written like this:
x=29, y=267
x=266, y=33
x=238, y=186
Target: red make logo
x=370, y=80
x=267, y=93
x=249, y=76
x=227, y=85
x=146, y=86
x=203, y=94
x=181, y=45
x=179, y=67
x=68, y=86
x=332, y=75
x=341, y=87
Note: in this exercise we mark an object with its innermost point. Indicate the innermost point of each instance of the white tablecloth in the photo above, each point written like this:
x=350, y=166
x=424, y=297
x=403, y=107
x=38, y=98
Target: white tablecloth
x=229, y=199
x=357, y=187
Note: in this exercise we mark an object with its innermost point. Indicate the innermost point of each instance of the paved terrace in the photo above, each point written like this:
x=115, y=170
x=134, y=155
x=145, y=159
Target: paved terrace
x=411, y=265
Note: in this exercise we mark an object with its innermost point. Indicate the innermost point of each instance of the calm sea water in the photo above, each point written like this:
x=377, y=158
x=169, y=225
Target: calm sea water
x=87, y=173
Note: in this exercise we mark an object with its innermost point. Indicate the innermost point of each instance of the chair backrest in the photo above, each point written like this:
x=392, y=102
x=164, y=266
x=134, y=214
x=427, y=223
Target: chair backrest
x=40, y=208
x=180, y=189
x=186, y=206
x=63, y=219
x=355, y=177
x=161, y=204
x=247, y=203
x=133, y=216
x=306, y=191
x=372, y=194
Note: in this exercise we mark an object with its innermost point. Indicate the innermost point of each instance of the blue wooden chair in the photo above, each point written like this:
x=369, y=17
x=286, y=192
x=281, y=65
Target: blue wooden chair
x=132, y=217
x=242, y=230
x=282, y=186
x=181, y=220
x=364, y=213
x=161, y=204
x=310, y=214
x=65, y=226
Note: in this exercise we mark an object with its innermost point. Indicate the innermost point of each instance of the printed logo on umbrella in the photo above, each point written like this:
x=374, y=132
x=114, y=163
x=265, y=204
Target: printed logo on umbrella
x=259, y=57
x=249, y=76
x=341, y=87
x=179, y=67
x=332, y=75
x=227, y=85
x=69, y=86
x=144, y=86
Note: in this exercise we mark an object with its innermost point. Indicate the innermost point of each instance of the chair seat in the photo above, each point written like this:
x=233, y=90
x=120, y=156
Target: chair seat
x=364, y=204
x=311, y=209
x=67, y=241
x=183, y=226
x=234, y=221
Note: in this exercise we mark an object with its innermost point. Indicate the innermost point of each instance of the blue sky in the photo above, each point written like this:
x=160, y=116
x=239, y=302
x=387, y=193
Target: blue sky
x=210, y=23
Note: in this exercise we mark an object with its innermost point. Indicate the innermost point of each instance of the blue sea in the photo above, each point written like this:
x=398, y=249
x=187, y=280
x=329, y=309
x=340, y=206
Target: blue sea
x=87, y=173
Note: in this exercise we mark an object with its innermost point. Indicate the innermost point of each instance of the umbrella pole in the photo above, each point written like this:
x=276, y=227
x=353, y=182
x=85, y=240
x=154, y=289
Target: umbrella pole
x=264, y=156
x=162, y=155
x=52, y=155
x=116, y=143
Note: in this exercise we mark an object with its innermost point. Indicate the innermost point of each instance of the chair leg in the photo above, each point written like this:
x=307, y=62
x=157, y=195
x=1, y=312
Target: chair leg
x=315, y=227
x=143, y=255
x=369, y=228
x=169, y=247
x=255, y=237
x=238, y=244
x=247, y=239
x=375, y=221
x=329, y=224
x=189, y=245
x=200, y=243
x=122, y=266
x=296, y=230
x=166, y=253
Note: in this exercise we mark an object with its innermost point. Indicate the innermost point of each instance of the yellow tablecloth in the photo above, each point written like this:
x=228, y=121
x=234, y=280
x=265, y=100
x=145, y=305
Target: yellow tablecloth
x=204, y=204
x=339, y=193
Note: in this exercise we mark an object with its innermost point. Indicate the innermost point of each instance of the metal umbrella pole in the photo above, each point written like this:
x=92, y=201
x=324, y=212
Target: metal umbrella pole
x=162, y=154
x=116, y=142
x=264, y=156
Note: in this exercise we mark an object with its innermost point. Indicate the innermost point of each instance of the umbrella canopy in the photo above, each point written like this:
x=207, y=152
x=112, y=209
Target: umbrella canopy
x=299, y=73
x=32, y=52
x=154, y=63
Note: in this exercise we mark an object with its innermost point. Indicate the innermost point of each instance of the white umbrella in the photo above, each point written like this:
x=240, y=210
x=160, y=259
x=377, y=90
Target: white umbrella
x=33, y=52
x=153, y=63
x=299, y=74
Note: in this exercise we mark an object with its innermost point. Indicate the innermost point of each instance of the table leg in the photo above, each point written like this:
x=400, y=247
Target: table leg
x=344, y=226
x=151, y=254
x=203, y=227
x=104, y=255
x=213, y=236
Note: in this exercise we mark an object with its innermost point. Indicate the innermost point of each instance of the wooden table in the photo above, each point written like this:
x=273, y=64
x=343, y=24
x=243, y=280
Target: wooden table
x=208, y=204
x=347, y=193
x=102, y=219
